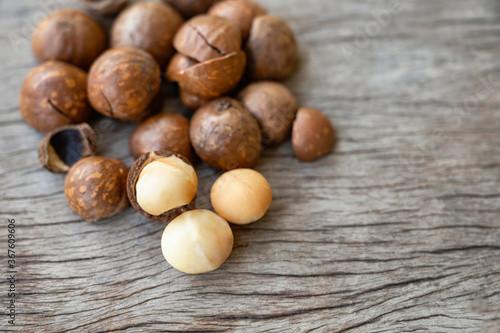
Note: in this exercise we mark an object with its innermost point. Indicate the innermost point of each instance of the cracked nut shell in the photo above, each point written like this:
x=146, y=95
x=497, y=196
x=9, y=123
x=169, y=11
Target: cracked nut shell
x=134, y=175
x=104, y=7
x=123, y=83
x=214, y=78
x=54, y=94
x=177, y=65
x=207, y=37
x=150, y=26
x=69, y=35
x=313, y=135
x=189, y=8
x=240, y=12
x=225, y=135
x=271, y=49
x=165, y=131
x=274, y=106
x=63, y=147
x=95, y=188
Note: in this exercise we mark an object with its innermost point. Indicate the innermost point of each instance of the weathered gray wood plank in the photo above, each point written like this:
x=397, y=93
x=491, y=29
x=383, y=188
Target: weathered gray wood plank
x=397, y=231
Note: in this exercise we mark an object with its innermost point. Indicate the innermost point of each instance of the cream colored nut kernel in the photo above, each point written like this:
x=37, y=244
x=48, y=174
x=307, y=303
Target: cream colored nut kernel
x=165, y=184
x=241, y=196
x=197, y=241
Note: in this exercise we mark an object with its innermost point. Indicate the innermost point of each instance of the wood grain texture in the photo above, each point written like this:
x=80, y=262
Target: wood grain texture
x=397, y=231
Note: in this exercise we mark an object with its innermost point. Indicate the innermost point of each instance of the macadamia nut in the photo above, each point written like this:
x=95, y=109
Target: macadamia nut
x=241, y=196
x=197, y=241
x=165, y=184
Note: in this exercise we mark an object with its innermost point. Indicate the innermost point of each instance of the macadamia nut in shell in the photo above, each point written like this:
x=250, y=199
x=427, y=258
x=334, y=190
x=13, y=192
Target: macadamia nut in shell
x=241, y=196
x=197, y=241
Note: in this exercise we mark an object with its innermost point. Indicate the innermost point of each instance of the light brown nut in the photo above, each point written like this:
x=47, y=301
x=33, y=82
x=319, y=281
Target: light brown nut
x=54, y=94
x=207, y=37
x=69, y=35
x=123, y=83
x=313, y=135
x=177, y=65
x=95, y=188
x=65, y=146
x=225, y=135
x=274, y=106
x=150, y=26
x=271, y=49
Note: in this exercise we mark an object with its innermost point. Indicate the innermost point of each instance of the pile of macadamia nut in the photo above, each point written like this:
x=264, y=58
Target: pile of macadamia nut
x=226, y=58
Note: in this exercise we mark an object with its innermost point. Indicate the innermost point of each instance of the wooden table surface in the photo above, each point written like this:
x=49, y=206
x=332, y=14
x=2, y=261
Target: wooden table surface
x=398, y=230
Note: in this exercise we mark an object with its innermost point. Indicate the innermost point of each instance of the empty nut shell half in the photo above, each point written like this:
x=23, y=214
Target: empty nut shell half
x=65, y=146
x=179, y=186
x=214, y=78
x=207, y=37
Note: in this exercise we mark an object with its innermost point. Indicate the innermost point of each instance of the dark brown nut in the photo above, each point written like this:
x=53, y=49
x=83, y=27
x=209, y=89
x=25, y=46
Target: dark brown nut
x=150, y=26
x=271, y=49
x=54, y=94
x=189, y=8
x=207, y=37
x=191, y=101
x=214, y=78
x=225, y=135
x=177, y=65
x=165, y=131
x=123, y=83
x=313, y=135
x=240, y=12
x=274, y=106
x=95, y=188
x=65, y=146
x=69, y=35
x=162, y=185
x=104, y=7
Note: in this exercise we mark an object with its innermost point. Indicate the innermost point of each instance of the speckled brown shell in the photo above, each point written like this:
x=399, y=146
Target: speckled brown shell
x=192, y=101
x=165, y=131
x=225, y=135
x=69, y=35
x=313, y=135
x=65, y=146
x=207, y=37
x=104, y=7
x=177, y=65
x=54, y=94
x=271, y=49
x=214, y=78
x=95, y=188
x=123, y=82
x=274, y=106
x=189, y=8
x=240, y=12
x=150, y=26
x=135, y=171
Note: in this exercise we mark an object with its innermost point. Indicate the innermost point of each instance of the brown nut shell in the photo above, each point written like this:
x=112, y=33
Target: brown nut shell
x=69, y=35
x=207, y=37
x=134, y=173
x=240, y=12
x=63, y=147
x=225, y=135
x=189, y=8
x=95, y=188
x=177, y=65
x=274, y=106
x=165, y=131
x=271, y=49
x=123, y=83
x=54, y=94
x=150, y=26
x=313, y=135
x=192, y=101
x=104, y=7
x=214, y=78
